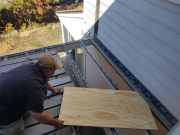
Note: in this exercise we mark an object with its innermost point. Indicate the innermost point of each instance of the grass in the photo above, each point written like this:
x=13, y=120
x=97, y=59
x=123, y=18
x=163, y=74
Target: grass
x=36, y=39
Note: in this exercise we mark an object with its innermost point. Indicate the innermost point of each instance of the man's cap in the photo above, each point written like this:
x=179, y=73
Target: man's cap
x=48, y=61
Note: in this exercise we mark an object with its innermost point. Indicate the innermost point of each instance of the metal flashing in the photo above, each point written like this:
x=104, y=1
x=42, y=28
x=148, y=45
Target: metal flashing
x=39, y=49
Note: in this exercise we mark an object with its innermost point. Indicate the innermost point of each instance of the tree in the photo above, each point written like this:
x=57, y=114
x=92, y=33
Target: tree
x=36, y=7
x=4, y=4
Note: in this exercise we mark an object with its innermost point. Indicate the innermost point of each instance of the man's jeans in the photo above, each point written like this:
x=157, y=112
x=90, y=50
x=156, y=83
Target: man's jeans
x=14, y=128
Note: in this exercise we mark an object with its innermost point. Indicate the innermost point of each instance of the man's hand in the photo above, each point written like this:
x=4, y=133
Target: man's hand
x=59, y=124
x=52, y=89
x=56, y=90
x=45, y=118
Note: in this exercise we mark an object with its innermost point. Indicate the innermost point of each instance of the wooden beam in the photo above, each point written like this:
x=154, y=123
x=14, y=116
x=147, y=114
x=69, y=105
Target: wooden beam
x=96, y=21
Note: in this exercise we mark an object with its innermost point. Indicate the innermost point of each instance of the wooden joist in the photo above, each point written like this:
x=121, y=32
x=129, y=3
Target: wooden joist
x=23, y=59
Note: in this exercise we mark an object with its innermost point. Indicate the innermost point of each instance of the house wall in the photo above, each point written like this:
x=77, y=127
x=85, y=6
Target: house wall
x=145, y=36
x=73, y=25
x=65, y=34
x=89, y=15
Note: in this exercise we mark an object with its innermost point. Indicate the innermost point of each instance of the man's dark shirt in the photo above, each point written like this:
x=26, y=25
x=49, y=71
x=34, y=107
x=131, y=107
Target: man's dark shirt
x=21, y=89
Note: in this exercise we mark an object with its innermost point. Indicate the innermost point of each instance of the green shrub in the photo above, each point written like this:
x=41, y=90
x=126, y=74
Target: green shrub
x=48, y=28
x=23, y=27
x=9, y=28
x=35, y=25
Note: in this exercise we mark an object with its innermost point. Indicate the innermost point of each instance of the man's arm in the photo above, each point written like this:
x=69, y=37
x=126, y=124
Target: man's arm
x=52, y=89
x=44, y=118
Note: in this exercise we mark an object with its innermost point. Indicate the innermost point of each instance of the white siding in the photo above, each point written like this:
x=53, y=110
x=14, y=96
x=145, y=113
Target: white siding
x=89, y=15
x=74, y=26
x=145, y=36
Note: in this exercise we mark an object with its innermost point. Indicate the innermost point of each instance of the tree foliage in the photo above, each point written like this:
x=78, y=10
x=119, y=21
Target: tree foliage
x=36, y=7
x=4, y=4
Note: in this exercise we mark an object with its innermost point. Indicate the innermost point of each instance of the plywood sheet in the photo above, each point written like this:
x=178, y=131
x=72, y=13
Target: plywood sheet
x=105, y=108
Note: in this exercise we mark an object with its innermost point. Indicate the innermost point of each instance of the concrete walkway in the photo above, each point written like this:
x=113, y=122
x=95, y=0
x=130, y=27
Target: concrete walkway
x=25, y=33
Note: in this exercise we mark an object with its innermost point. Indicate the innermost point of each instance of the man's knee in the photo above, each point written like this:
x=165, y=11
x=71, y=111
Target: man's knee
x=14, y=128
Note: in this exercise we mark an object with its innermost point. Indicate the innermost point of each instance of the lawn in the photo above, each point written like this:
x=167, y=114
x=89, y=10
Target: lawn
x=38, y=38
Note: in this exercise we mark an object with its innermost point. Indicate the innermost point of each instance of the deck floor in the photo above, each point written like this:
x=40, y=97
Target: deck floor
x=52, y=103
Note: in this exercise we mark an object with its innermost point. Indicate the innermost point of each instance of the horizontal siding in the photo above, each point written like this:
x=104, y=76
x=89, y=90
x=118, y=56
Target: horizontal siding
x=172, y=7
x=143, y=54
x=157, y=30
x=105, y=40
x=145, y=36
x=89, y=15
x=145, y=50
x=158, y=15
x=89, y=24
x=157, y=88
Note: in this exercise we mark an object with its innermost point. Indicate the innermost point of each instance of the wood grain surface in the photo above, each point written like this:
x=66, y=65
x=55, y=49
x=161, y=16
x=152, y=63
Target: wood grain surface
x=105, y=108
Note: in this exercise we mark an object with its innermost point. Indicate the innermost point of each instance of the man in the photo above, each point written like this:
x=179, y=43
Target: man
x=24, y=88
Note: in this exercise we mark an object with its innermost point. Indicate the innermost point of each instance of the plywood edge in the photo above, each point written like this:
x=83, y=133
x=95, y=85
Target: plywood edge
x=121, y=91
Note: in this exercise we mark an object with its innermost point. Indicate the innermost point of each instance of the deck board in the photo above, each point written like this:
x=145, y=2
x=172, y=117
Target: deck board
x=48, y=103
x=57, y=72
x=23, y=59
x=9, y=67
x=53, y=101
x=53, y=112
x=60, y=81
x=38, y=130
x=41, y=128
x=49, y=93
x=105, y=108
